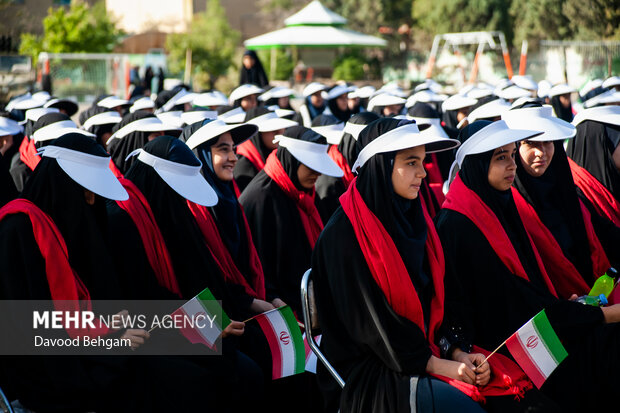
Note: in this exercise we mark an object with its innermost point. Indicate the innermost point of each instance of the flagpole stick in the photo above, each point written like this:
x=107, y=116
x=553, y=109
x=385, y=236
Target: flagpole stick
x=493, y=352
x=266, y=312
x=152, y=329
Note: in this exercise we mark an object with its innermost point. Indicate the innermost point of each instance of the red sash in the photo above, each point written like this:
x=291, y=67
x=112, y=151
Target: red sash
x=310, y=217
x=248, y=150
x=218, y=249
x=28, y=153
x=390, y=273
x=117, y=172
x=141, y=214
x=603, y=201
x=66, y=289
x=337, y=157
x=435, y=180
x=462, y=199
x=562, y=272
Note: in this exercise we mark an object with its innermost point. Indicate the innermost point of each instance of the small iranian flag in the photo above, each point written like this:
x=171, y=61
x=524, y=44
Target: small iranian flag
x=202, y=309
x=537, y=349
x=285, y=341
x=311, y=359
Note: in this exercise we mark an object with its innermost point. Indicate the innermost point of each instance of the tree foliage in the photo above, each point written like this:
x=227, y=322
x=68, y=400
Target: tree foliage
x=539, y=20
x=79, y=29
x=211, y=40
x=594, y=19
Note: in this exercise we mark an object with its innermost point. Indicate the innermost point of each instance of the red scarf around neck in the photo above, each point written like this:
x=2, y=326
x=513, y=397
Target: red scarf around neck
x=337, y=157
x=604, y=202
x=220, y=252
x=139, y=210
x=310, y=217
x=562, y=272
x=390, y=274
x=117, y=172
x=248, y=150
x=28, y=153
x=462, y=199
x=66, y=288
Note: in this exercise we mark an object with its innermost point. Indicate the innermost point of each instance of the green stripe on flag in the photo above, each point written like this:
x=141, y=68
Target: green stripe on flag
x=213, y=307
x=298, y=341
x=548, y=337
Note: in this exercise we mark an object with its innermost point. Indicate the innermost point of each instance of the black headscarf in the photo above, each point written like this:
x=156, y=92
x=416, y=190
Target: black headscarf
x=402, y=218
x=474, y=173
x=47, y=120
x=560, y=111
x=349, y=146
x=120, y=148
x=81, y=225
x=341, y=115
x=593, y=148
x=554, y=197
x=256, y=74
x=98, y=130
x=164, y=96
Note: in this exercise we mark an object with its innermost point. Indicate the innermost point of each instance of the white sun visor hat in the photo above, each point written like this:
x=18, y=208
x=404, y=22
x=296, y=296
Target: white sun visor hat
x=364, y=92
x=28, y=103
x=194, y=116
x=611, y=82
x=609, y=96
x=544, y=86
x=172, y=118
x=492, y=109
x=434, y=128
x=11, y=105
x=185, y=180
x=561, y=89
x=524, y=82
x=35, y=114
x=52, y=131
x=542, y=119
x=339, y=90
x=243, y=91
x=280, y=112
x=181, y=97
x=425, y=96
x=141, y=104
x=457, y=102
x=514, y=92
x=353, y=129
x=604, y=114
x=210, y=99
x=332, y=133
x=590, y=85
x=213, y=129
x=313, y=155
x=276, y=93
x=236, y=115
x=150, y=124
x=9, y=127
x=270, y=122
x=105, y=118
x=403, y=137
x=112, y=101
x=187, y=97
x=312, y=88
x=385, y=99
x=90, y=171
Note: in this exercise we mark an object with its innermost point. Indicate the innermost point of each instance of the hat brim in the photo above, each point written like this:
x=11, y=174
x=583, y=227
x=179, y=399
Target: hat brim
x=554, y=129
x=332, y=133
x=192, y=187
x=239, y=134
x=68, y=106
x=94, y=178
x=274, y=124
x=317, y=161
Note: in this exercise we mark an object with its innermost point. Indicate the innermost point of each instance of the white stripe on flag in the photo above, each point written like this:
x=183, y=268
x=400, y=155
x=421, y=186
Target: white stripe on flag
x=538, y=353
x=192, y=308
x=311, y=359
x=285, y=342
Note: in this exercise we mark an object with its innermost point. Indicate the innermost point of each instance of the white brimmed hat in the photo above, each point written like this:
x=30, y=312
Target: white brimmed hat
x=90, y=171
x=194, y=116
x=353, y=129
x=493, y=109
x=608, y=96
x=561, y=89
x=270, y=122
x=524, y=82
x=28, y=103
x=429, y=84
x=433, y=129
x=243, y=91
x=611, y=82
x=603, y=114
x=50, y=131
x=9, y=127
x=339, y=90
x=68, y=105
x=458, y=102
x=13, y=102
x=312, y=88
x=213, y=129
x=112, y=101
x=544, y=86
x=425, y=96
x=364, y=92
x=542, y=119
x=35, y=114
x=172, y=118
x=236, y=115
x=514, y=92
x=403, y=137
x=105, y=118
x=150, y=124
x=332, y=133
x=276, y=93
x=210, y=99
x=185, y=180
x=385, y=99
x=180, y=98
x=590, y=85
x=141, y=104
x=313, y=155
x=281, y=112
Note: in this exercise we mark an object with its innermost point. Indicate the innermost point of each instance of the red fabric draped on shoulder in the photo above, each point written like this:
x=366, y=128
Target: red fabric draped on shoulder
x=66, y=289
x=390, y=274
x=117, y=172
x=310, y=217
x=337, y=157
x=210, y=231
x=248, y=150
x=28, y=153
x=157, y=253
x=603, y=201
x=465, y=201
x=435, y=180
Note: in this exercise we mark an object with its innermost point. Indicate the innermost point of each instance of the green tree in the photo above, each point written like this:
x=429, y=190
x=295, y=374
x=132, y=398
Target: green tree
x=594, y=19
x=79, y=29
x=211, y=40
x=536, y=20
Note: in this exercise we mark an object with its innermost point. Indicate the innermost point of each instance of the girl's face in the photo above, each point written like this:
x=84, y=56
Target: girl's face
x=307, y=177
x=408, y=172
x=249, y=102
x=536, y=156
x=223, y=157
x=503, y=168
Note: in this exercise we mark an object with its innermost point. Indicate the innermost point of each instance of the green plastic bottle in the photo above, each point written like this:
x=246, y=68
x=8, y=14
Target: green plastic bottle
x=604, y=284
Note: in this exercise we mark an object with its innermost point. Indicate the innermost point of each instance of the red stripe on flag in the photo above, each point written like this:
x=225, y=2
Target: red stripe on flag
x=522, y=357
x=192, y=334
x=276, y=354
